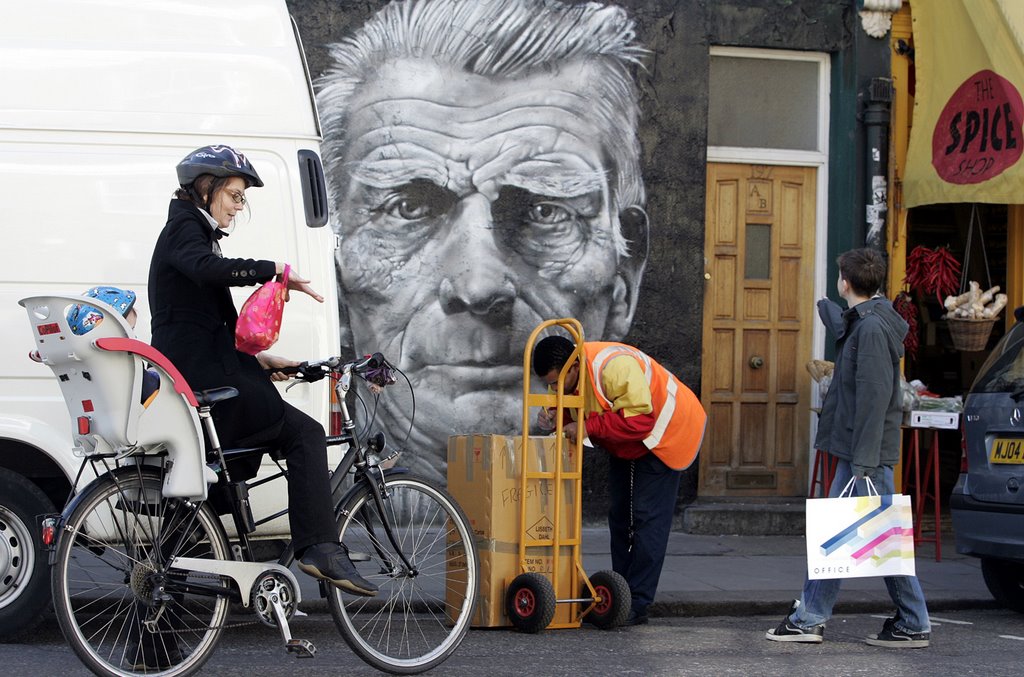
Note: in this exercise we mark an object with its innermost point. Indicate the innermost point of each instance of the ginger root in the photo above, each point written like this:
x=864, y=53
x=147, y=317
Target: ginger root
x=975, y=304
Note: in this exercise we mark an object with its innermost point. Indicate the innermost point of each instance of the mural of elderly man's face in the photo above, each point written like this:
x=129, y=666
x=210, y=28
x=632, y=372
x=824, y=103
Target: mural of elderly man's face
x=475, y=209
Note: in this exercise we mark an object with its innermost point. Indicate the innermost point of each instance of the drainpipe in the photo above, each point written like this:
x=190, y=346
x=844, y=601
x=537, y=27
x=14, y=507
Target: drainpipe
x=876, y=132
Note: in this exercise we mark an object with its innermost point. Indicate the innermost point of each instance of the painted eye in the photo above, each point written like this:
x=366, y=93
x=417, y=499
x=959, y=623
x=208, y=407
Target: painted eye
x=417, y=200
x=548, y=213
x=407, y=209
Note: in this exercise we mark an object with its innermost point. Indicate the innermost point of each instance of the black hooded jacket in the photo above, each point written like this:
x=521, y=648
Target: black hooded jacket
x=861, y=416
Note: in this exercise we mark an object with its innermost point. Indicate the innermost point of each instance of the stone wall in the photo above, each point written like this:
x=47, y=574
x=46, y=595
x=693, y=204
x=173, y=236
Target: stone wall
x=672, y=93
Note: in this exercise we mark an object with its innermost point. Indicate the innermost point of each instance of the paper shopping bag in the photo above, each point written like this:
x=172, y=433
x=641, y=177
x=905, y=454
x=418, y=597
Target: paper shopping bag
x=860, y=536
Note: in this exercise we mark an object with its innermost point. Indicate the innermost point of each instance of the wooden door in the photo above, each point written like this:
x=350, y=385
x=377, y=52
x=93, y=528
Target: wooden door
x=758, y=318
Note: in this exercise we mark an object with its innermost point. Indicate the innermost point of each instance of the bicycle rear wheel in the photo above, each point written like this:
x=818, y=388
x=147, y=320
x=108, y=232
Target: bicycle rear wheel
x=119, y=607
x=426, y=600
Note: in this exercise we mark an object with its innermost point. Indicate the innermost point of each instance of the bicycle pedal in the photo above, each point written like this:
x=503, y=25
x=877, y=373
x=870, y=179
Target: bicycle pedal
x=302, y=648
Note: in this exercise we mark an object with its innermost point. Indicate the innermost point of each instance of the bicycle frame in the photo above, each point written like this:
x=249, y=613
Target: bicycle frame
x=354, y=460
x=147, y=533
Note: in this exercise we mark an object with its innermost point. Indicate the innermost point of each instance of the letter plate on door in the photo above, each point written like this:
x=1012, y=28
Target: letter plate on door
x=750, y=479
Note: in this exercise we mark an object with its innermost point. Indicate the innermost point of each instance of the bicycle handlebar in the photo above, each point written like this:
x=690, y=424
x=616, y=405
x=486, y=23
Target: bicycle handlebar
x=373, y=368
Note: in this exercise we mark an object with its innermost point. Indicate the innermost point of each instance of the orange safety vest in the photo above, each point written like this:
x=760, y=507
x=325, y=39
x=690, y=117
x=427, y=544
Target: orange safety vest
x=679, y=418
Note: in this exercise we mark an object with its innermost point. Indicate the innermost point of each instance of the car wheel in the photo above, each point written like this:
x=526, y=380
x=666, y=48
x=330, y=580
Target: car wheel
x=1005, y=580
x=24, y=579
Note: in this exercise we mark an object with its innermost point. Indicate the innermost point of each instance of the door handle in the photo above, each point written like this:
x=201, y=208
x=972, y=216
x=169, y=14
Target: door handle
x=756, y=362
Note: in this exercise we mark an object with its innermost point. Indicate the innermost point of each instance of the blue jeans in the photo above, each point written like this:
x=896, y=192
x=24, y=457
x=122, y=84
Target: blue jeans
x=820, y=596
x=642, y=500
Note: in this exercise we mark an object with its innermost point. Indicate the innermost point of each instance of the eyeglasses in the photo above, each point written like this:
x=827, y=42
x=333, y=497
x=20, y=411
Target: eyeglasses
x=238, y=197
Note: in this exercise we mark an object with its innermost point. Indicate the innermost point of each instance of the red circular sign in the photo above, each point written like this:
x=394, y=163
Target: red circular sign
x=978, y=136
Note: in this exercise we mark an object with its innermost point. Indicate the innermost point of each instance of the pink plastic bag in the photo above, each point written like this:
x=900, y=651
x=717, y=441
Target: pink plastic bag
x=259, y=321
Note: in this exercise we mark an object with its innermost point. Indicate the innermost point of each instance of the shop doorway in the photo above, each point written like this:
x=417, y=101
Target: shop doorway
x=758, y=321
x=938, y=363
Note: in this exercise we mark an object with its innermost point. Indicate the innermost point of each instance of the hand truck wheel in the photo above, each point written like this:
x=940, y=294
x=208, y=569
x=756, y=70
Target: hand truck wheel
x=530, y=602
x=615, y=600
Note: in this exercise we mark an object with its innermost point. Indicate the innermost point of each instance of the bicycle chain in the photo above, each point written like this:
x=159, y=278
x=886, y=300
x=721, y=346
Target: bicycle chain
x=225, y=626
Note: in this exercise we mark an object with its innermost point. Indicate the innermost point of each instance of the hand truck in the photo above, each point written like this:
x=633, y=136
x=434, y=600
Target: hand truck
x=531, y=597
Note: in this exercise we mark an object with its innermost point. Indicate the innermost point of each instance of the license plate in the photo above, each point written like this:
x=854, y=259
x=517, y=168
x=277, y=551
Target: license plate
x=1006, y=450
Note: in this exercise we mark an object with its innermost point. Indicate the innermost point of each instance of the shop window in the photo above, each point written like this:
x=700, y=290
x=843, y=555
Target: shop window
x=938, y=364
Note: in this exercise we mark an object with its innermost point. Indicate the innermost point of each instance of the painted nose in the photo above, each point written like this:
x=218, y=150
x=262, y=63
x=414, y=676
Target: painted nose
x=478, y=279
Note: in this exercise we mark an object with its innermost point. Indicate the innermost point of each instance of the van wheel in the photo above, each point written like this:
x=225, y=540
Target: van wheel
x=1005, y=580
x=24, y=577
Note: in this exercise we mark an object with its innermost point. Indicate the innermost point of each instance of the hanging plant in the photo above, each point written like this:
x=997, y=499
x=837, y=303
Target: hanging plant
x=906, y=309
x=933, y=271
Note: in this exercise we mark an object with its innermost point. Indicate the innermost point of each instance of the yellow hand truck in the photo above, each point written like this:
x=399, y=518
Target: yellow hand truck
x=531, y=597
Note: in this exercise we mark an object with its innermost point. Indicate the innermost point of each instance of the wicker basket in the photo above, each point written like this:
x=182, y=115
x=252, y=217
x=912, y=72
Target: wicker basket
x=970, y=335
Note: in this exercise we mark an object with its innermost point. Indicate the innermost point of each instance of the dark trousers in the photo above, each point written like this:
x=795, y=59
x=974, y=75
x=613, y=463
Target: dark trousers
x=642, y=495
x=303, y=445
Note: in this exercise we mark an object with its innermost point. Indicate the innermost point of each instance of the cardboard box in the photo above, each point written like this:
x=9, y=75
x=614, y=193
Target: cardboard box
x=934, y=419
x=483, y=476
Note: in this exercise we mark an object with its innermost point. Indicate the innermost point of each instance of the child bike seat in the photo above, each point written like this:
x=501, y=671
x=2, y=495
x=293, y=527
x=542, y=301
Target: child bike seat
x=100, y=375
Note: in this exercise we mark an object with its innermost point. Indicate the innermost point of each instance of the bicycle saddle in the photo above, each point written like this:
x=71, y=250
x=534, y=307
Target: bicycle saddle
x=206, y=398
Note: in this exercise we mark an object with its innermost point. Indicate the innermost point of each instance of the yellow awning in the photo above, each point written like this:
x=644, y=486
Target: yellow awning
x=967, y=140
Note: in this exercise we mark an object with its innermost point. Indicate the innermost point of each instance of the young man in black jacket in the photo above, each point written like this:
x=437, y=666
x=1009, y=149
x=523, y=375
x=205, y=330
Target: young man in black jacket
x=860, y=425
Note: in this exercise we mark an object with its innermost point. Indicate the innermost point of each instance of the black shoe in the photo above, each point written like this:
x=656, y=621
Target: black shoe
x=787, y=632
x=894, y=638
x=635, y=618
x=330, y=562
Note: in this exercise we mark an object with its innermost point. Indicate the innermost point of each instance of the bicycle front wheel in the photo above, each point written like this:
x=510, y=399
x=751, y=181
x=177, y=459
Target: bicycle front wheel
x=414, y=542
x=120, y=607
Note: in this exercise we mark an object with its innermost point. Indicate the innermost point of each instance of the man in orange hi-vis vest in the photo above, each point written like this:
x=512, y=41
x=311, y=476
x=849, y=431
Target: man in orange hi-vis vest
x=652, y=427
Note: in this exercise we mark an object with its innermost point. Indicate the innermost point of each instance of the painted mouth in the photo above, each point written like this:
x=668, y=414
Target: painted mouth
x=468, y=377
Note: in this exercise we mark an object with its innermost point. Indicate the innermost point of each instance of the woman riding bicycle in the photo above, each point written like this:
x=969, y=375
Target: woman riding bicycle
x=194, y=326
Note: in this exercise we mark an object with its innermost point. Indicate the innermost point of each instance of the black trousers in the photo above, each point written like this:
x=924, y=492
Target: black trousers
x=642, y=496
x=303, y=446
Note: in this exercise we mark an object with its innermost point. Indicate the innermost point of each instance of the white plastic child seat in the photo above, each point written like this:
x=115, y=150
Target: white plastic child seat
x=100, y=376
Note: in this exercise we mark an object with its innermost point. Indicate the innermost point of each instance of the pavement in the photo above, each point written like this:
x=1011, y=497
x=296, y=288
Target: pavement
x=743, y=575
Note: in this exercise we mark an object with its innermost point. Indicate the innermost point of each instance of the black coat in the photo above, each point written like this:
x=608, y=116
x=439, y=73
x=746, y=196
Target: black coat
x=194, y=321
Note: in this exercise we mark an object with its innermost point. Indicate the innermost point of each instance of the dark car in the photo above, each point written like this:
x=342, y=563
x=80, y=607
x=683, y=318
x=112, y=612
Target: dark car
x=987, y=502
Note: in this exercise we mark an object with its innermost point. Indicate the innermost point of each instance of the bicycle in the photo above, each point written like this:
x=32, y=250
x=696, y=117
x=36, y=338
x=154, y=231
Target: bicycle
x=143, y=572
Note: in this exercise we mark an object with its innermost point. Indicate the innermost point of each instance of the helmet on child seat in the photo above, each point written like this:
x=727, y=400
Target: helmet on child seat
x=219, y=161
x=82, y=318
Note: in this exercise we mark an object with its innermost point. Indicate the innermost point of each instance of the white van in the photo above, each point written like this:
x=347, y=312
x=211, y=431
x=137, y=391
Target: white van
x=99, y=100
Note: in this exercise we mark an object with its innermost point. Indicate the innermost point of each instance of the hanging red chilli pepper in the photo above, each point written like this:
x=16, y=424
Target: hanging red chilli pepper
x=933, y=271
x=906, y=309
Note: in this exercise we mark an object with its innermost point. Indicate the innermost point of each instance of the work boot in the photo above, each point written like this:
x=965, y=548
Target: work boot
x=636, y=618
x=330, y=562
